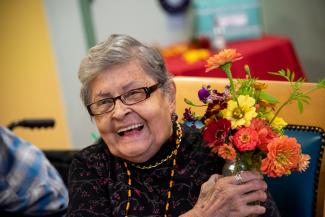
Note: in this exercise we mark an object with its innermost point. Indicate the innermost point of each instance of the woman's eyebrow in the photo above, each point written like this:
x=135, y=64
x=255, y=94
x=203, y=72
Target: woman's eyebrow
x=102, y=94
x=130, y=86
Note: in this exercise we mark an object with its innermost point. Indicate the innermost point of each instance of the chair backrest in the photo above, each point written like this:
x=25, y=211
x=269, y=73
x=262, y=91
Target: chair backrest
x=296, y=195
x=313, y=115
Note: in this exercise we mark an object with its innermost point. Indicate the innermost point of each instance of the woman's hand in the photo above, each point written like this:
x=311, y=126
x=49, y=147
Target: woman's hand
x=224, y=197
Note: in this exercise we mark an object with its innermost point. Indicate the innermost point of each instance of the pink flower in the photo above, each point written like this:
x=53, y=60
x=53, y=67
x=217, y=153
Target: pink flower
x=265, y=133
x=245, y=139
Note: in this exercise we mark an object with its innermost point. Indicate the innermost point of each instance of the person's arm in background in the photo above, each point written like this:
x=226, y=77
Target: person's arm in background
x=29, y=184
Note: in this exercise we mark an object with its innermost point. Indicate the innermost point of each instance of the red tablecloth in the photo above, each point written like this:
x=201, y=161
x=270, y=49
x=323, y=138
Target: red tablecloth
x=263, y=55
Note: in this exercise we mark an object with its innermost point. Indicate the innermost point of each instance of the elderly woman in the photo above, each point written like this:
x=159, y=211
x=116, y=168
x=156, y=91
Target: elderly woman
x=146, y=163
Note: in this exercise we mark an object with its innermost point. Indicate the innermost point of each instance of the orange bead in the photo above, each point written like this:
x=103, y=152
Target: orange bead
x=129, y=193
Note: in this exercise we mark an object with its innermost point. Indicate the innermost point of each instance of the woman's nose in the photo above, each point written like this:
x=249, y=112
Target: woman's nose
x=120, y=109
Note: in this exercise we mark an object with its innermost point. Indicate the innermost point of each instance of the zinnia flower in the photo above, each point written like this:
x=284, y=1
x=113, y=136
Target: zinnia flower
x=278, y=123
x=216, y=132
x=265, y=133
x=221, y=58
x=303, y=162
x=227, y=152
x=240, y=113
x=245, y=139
x=283, y=156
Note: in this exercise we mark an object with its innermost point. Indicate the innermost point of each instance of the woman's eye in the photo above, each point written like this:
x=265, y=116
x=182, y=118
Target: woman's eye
x=132, y=93
x=105, y=102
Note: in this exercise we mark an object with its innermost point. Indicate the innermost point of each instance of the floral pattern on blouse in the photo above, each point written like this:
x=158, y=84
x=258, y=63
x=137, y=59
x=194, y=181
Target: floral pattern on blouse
x=98, y=181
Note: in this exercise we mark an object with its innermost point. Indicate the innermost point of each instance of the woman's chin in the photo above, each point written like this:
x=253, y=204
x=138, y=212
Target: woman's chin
x=137, y=153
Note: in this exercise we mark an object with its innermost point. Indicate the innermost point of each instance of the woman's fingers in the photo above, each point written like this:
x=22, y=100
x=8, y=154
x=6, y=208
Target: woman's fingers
x=245, y=176
x=253, y=196
x=221, y=195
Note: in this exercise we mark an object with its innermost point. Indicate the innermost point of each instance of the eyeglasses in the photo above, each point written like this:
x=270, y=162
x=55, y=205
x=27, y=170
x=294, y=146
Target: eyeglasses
x=129, y=98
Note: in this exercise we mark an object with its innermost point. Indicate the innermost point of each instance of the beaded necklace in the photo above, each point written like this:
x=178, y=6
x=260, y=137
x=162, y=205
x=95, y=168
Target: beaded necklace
x=173, y=155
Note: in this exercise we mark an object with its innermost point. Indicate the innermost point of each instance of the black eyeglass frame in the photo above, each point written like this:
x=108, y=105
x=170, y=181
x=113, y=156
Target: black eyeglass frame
x=148, y=91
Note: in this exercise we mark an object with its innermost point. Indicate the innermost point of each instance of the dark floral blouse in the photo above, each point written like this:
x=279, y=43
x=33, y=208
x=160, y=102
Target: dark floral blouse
x=98, y=182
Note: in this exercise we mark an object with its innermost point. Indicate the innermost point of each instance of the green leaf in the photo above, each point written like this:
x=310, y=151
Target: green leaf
x=189, y=102
x=268, y=98
x=305, y=98
x=293, y=76
x=300, y=106
x=321, y=84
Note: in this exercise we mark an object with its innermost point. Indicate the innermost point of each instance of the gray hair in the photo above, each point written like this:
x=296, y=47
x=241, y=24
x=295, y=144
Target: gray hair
x=119, y=50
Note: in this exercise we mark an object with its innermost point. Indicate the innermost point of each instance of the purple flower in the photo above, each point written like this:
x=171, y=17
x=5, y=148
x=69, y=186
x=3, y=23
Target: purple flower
x=188, y=115
x=204, y=93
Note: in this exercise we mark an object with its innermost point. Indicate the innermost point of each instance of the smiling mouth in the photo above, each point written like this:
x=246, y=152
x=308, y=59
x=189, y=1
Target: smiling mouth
x=129, y=130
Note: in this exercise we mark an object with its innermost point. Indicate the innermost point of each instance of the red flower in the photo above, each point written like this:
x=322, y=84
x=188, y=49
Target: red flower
x=216, y=132
x=283, y=156
x=245, y=139
x=265, y=133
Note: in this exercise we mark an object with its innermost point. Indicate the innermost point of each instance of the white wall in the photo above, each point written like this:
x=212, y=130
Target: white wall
x=303, y=22
x=69, y=43
x=143, y=19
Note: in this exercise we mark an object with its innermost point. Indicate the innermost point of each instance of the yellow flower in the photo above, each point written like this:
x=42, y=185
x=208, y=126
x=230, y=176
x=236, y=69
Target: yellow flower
x=194, y=55
x=242, y=114
x=278, y=123
x=221, y=58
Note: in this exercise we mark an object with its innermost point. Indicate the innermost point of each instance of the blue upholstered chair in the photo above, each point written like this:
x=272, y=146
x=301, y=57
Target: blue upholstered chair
x=296, y=194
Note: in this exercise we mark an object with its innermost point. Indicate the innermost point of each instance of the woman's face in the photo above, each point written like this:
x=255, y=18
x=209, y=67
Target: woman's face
x=133, y=132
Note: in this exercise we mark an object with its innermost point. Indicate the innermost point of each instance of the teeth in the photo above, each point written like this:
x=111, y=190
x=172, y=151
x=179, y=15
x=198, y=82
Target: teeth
x=129, y=128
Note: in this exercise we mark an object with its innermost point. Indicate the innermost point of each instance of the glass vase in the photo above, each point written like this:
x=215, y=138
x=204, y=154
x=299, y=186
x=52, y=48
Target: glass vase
x=231, y=167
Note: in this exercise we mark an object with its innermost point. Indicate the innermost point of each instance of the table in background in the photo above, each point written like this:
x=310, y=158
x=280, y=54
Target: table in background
x=263, y=55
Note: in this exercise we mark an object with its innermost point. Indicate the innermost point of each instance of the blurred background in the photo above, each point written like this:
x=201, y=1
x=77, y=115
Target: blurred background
x=43, y=41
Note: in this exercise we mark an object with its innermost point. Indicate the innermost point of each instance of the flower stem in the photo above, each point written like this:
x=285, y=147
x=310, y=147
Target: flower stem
x=281, y=107
x=226, y=68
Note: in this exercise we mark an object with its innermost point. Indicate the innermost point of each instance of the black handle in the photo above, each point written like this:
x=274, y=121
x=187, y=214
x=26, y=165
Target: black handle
x=32, y=123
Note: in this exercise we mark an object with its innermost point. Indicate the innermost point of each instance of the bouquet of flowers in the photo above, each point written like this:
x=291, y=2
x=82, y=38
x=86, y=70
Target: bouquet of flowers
x=242, y=124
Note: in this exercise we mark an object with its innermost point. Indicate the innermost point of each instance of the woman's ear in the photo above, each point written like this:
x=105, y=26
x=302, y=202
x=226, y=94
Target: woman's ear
x=172, y=95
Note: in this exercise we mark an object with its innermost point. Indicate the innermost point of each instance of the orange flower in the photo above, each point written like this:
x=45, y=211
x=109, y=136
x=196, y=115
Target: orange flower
x=227, y=152
x=283, y=156
x=221, y=58
x=259, y=86
x=303, y=162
